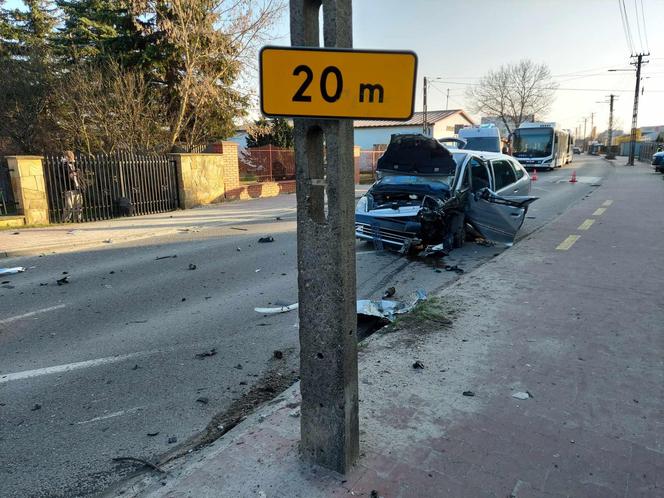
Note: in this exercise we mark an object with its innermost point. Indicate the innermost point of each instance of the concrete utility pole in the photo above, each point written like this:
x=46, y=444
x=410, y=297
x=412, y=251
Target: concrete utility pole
x=329, y=424
x=635, y=110
x=424, y=108
x=585, y=140
x=447, y=100
x=592, y=126
x=609, y=138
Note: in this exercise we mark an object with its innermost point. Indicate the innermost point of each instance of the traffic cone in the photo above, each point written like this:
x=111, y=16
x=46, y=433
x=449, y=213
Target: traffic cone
x=573, y=178
x=533, y=177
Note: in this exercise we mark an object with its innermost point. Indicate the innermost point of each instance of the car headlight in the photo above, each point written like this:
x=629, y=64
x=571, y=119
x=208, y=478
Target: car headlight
x=362, y=205
x=547, y=161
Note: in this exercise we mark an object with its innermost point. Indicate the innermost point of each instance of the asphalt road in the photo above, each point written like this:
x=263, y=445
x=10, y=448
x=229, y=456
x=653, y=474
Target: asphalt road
x=90, y=369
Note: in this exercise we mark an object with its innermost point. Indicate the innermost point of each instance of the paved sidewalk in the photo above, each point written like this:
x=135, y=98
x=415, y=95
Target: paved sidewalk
x=74, y=236
x=580, y=329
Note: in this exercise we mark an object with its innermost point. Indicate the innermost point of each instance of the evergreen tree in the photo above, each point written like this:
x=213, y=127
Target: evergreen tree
x=27, y=76
x=98, y=30
x=277, y=132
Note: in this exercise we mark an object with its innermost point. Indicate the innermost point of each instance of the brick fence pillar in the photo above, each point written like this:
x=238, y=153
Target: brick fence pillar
x=27, y=176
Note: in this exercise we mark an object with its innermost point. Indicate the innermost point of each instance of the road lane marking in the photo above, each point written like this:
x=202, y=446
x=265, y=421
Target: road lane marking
x=599, y=211
x=607, y=203
x=568, y=242
x=586, y=224
x=32, y=313
x=28, y=374
x=111, y=415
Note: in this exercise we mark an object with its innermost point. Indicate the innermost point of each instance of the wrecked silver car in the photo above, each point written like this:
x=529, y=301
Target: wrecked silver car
x=430, y=196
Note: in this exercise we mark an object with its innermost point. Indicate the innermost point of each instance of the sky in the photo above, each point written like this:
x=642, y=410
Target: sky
x=459, y=41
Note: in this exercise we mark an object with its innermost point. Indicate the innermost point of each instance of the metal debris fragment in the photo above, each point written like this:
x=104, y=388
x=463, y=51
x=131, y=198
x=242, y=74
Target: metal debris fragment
x=281, y=309
x=12, y=271
x=206, y=354
x=389, y=309
x=521, y=395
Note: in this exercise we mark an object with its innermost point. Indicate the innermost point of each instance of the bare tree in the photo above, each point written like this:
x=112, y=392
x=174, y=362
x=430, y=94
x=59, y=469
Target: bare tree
x=514, y=92
x=105, y=108
x=213, y=42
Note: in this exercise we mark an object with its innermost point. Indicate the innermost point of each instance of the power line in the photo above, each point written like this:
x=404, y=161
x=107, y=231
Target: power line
x=625, y=24
x=638, y=25
x=556, y=88
x=645, y=32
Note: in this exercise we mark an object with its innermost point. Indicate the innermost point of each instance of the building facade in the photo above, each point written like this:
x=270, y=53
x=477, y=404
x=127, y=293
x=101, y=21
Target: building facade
x=375, y=135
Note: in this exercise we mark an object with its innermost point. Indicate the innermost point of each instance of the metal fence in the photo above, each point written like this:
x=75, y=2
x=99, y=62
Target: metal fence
x=7, y=203
x=647, y=149
x=109, y=186
x=266, y=164
x=367, y=163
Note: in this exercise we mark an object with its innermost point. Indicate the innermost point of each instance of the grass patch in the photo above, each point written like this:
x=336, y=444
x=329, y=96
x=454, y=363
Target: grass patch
x=434, y=313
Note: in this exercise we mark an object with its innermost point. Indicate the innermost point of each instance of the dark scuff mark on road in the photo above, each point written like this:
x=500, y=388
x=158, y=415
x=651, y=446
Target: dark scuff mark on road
x=279, y=377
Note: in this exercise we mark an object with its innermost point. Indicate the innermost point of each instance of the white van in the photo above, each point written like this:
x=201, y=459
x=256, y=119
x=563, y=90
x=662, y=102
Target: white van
x=485, y=137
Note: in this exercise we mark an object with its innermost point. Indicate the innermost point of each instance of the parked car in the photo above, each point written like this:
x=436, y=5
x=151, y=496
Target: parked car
x=576, y=150
x=430, y=195
x=658, y=161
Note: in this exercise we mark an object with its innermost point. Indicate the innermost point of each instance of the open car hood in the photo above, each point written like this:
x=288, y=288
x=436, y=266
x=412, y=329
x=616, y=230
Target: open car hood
x=416, y=155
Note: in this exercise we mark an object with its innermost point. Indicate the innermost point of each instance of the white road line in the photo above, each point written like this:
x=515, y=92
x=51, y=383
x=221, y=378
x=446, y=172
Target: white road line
x=28, y=374
x=32, y=313
x=111, y=415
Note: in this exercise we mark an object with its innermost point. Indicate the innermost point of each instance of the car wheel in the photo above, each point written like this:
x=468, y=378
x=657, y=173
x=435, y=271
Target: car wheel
x=459, y=238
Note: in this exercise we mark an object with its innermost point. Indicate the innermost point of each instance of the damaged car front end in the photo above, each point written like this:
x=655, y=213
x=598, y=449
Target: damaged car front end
x=429, y=196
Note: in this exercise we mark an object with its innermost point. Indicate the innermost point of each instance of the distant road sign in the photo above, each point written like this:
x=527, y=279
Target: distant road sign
x=334, y=83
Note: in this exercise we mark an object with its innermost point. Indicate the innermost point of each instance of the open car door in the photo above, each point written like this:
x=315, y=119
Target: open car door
x=497, y=217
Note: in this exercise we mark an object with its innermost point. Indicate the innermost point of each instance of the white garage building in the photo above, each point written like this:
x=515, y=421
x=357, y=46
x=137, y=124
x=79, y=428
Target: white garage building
x=376, y=134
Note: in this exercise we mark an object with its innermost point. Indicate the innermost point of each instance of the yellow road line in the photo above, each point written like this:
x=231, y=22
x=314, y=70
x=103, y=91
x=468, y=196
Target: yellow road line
x=607, y=203
x=568, y=242
x=586, y=224
x=599, y=211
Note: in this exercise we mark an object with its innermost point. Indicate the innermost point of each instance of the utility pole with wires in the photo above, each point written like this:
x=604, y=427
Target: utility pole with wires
x=585, y=137
x=425, y=117
x=425, y=125
x=609, y=138
x=609, y=132
x=635, y=111
x=592, y=126
x=447, y=100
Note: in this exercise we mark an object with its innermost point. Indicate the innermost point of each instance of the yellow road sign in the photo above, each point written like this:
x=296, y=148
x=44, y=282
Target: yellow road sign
x=335, y=83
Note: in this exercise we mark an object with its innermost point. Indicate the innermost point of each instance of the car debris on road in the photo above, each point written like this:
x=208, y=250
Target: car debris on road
x=12, y=271
x=206, y=354
x=389, y=309
x=381, y=308
x=280, y=309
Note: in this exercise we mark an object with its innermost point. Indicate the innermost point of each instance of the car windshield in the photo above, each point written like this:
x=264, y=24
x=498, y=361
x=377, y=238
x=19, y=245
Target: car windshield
x=532, y=142
x=488, y=144
x=398, y=180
